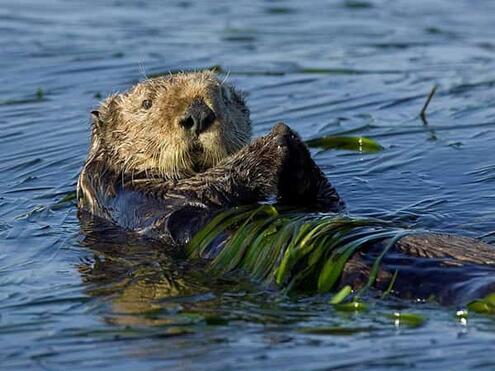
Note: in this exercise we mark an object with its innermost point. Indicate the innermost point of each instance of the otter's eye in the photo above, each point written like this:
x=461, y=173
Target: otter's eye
x=147, y=103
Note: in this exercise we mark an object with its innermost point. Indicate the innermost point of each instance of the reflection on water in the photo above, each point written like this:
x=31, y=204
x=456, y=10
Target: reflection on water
x=138, y=276
x=85, y=295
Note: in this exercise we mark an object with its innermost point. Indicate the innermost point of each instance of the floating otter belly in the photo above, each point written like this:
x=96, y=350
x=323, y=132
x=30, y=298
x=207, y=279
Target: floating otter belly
x=171, y=152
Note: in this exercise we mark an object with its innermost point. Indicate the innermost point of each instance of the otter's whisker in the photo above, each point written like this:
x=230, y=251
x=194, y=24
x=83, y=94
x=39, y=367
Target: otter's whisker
x=142, y=70
x=227, y=75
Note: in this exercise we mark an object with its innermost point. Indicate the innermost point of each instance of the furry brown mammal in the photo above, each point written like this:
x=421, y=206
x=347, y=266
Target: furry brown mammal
x=172, y=146
x=167, y=128
x=170, y=152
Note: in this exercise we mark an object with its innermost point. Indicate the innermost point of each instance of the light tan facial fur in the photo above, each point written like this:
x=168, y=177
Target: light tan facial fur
x=143, y=131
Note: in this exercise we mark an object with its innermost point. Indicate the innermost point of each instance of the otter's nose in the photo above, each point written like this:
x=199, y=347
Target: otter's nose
x=198, y=117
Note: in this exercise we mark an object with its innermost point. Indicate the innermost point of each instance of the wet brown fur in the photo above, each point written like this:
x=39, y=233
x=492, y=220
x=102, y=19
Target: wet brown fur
x=144, y=149
x=129, y=140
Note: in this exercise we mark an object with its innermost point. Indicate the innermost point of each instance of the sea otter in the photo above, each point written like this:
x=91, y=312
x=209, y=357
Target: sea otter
x=176, y=147
x=172, y=151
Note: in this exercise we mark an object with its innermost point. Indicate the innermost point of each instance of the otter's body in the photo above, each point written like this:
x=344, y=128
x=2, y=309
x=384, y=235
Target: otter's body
x=171, y=152
x=174, y=150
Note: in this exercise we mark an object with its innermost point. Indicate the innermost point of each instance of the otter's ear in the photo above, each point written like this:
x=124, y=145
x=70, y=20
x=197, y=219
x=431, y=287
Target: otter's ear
x=96, y=118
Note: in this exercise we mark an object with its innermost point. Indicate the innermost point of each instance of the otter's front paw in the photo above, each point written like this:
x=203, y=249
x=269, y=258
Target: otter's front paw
x=297, y=181
x=286, y=160
x=301, y=182
x=277, y=151
x=269, y=151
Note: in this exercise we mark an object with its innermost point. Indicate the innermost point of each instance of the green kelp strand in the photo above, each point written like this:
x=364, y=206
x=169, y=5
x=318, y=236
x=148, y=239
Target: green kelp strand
x=352, y=306
x=407, y=319
x=215, y=227
x=390, y=285
x=340, y=296
x=253, y=261
x=484, y=305
x=311, y=264
x=376, y=265
x=233, y=251
x=221, y=223
x=293, y=249
x=333, y=268
x=359, y=144
x=290, y=256
x=269, y=248
x=279, y=244
x=300, y=246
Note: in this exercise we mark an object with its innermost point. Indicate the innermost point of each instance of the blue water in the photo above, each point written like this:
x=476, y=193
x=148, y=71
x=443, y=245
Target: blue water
x=72, y=299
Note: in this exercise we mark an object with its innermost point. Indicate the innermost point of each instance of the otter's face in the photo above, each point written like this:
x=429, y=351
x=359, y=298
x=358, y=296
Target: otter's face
x=172, y=126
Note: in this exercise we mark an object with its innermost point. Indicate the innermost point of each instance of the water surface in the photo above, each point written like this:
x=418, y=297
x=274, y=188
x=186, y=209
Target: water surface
x=70, y=297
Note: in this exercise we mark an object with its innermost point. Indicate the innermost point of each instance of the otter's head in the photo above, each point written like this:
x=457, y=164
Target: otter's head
x=171, y=126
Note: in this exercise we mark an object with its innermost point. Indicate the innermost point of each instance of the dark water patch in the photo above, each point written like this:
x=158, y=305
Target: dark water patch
x=37, y=97
x=399, y=46
x=239, y=35
x=430, y=128
x=297, y=70
x=467, y=87
x=20, y=166
x=483, y=174
x=345, y=71
x=10, y=135
x=353, y=4
x=400, y=101
x=28, y=189
x=279, y=10
x=339, y=331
